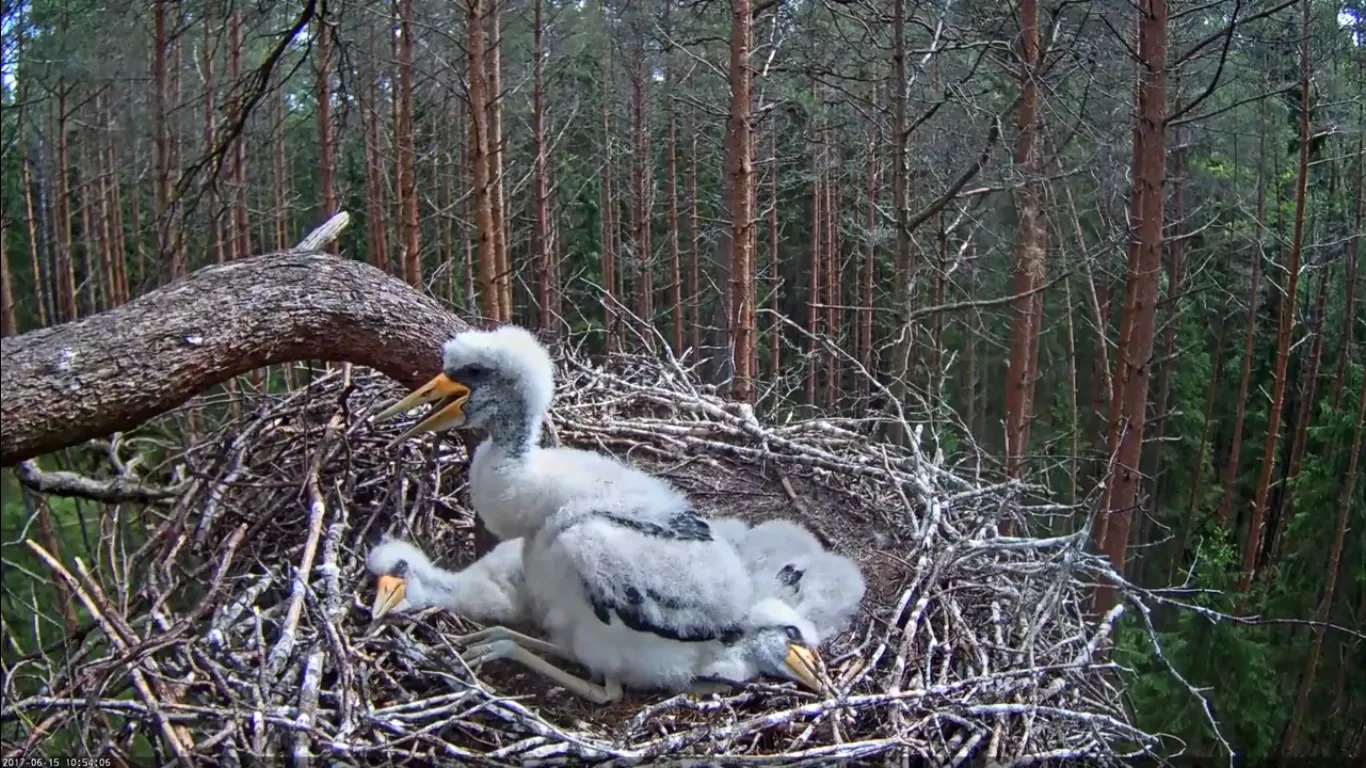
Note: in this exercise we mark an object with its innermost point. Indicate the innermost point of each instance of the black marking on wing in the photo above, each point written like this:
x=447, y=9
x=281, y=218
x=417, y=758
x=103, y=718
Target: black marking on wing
x=685, y=525
x=601, y=608
x=632, y=612
x=791, y=576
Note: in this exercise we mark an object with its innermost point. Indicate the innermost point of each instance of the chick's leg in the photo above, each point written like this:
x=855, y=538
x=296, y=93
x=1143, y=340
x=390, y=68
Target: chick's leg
x=492, y=634
x=508, y=649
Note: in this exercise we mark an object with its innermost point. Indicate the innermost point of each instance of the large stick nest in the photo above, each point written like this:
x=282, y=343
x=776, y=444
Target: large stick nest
x=241, y=626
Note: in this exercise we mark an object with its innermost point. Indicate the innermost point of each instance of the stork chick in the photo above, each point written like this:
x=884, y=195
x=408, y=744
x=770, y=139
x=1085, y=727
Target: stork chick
x=503, y=380
x=788, y=562
x=490, y=590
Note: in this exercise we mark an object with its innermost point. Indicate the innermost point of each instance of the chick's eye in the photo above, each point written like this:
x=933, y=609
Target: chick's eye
x=400, y=568
x=793, y=633
x=473, y=372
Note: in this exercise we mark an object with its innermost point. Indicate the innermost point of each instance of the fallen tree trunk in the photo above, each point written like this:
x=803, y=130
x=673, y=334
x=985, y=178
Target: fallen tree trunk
x=64, y=385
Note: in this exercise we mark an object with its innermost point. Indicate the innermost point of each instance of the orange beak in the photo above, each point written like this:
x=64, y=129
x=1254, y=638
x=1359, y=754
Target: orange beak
x=804, y=663
x=449, y=412
x=388, y=594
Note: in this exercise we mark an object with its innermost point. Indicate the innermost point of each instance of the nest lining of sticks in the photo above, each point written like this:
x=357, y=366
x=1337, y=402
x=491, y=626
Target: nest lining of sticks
x=242, y=628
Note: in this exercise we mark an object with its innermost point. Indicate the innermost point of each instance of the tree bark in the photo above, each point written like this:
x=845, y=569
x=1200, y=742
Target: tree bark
x=901, y=293
x=1029, y=253
x=609, y=223
x=642, y=191
x=403, y=136
x=813, y=307
x=775, y=280
x=489, y=295
x=8, y=325
x=1354, y=254
x=241, y=233
x=741, y=210
x=326, y=160
x=675, y=257
x=540, y=187
x=869, y=270
x=210, y=137
x=376, y=222
x=116, y=206
x=64, y=265
x=695, y=238
x=1252, y=544
x=831, y=271
x=498, y=201
x=64, y=385
x=41, y=294
x=1175, y=253
x=1128, y=409
x=280, y=173
x=161, y=154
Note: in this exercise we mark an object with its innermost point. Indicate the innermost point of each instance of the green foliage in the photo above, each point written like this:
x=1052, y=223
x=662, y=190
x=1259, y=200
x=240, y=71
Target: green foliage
x=1229, y=663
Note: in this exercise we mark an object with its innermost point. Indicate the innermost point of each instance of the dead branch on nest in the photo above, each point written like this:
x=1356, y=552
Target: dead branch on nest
x=971, y=645
x=111, y=491
x=63, y=385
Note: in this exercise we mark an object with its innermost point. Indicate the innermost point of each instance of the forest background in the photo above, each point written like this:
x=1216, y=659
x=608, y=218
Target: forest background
x=1114, y=245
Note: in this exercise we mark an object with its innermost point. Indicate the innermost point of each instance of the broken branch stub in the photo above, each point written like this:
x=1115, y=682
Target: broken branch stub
x=64, y=385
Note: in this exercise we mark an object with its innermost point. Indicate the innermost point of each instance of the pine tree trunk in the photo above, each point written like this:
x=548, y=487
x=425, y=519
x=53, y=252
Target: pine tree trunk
x=903, y=266
x=8, y=324
x=609, y=255
x=281, y=172
x=1026, y=322
x=694, y=253
x=775, y=280
x=642, y=258
x=1350, y=279
x=494, y=96
x=326, y=153
x=64, y=264
x=161, y=144
x=108, y=279
x=813, y=311
x=831, y=270
x=741, y=213
x=675, y=257
x=241, y=230
x=90, y=245
x=135, y=216
x=120, y=243
x=180, y=257
x=377, y=225
x=403, y=136
x=214, y=211
x=445, y=171
x=1252, y=543
x=100, y=204
x=41, y=295
x=1175, y=253
x=466, y=182
x=868, y=273
x=1128, y=411
x=544, y=318
x=489, y=297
